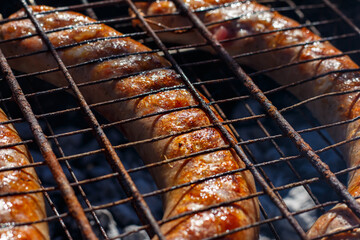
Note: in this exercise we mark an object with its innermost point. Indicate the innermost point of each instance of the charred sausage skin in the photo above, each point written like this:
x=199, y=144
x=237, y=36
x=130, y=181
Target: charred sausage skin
x=191, y=198
x=246, y=18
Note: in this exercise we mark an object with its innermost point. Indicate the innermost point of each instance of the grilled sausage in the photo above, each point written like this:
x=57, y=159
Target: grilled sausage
x=134, y=60
x=242, y=19
x=19, y=208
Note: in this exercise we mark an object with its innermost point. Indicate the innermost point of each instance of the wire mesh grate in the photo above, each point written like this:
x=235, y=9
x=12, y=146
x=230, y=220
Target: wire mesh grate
x=82, y=147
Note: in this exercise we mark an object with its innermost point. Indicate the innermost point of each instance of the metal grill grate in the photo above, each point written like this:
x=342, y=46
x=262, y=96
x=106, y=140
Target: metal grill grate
x=117, y=193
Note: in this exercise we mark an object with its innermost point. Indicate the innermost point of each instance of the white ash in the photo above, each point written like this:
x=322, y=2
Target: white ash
x=107, y=221
x=297, y=199
x=136, y=235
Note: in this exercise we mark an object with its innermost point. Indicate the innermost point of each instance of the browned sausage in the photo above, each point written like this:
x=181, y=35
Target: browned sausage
x=19, y=208
x=253, y=18
x=191, y=198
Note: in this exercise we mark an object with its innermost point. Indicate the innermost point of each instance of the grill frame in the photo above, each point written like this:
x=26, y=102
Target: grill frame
x=110, y=149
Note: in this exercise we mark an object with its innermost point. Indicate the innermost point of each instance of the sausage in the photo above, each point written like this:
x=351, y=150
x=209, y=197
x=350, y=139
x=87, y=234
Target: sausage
x=149, y=72
x=243, y=19
x=19, y=208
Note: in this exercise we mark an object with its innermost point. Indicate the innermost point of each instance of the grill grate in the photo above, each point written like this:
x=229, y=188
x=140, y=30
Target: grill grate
x=266, y=141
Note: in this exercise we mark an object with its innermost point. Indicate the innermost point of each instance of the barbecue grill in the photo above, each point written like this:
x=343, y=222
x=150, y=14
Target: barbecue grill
x=114, y=196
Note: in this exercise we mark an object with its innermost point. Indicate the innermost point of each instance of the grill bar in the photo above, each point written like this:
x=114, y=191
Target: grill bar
x=248, y=151
x=73, y=176
x=253, y=89
x=270, y=189
x=275, y=145
x=111, y=155
x=241, y=75
x=53, y=208
x=282, y=155
x=68, y=193
x=143, y=141
x=46, y=194
x=60, y=150
x=271, y=110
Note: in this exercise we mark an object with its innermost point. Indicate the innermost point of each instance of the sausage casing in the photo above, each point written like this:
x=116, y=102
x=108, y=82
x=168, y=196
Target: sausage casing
x=190, y=198
x=23, y=208
x=255, y=28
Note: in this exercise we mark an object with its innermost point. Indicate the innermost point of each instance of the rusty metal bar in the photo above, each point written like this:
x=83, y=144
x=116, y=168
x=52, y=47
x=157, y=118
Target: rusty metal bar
x=113, y=159
x=46, y=195
x=282, y=155
x=245, y=143
x=73, y=204
x=80, y=189
x=247, y=149
x=236, y=69
x=82, y=192
x=276, y=146
x=271, y=110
